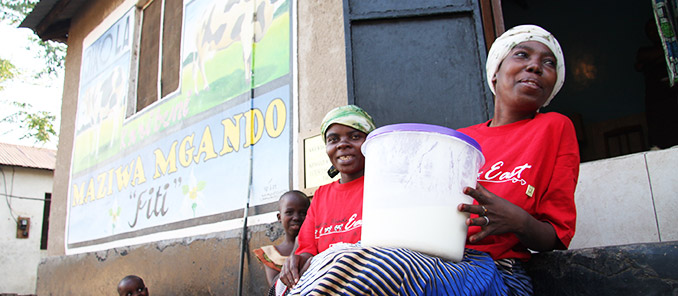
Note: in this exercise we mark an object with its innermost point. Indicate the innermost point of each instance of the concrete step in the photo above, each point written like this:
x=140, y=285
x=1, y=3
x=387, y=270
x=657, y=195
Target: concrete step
x=637, y=269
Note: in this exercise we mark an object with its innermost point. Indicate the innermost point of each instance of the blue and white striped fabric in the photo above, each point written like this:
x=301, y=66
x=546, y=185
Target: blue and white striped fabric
x=515, y=277
x=354, y=270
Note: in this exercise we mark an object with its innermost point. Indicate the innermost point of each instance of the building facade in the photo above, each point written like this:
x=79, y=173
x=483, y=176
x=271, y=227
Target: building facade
x=26, y=187
x=184, y=121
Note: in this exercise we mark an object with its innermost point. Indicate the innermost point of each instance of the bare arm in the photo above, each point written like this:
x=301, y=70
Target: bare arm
x=270, y=275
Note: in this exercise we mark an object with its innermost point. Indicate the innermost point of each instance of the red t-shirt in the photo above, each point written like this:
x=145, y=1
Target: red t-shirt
x=335, y=216
x=533, y=163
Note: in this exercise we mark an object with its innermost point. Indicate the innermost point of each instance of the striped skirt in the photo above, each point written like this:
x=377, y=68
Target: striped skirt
x=354, y=270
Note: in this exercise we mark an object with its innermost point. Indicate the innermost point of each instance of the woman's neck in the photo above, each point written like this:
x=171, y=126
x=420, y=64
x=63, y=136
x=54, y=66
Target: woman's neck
x=345, y=178
x=504, y=117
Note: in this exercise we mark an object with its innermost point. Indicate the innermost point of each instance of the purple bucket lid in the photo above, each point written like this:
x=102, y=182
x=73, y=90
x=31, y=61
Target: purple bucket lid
x=422, y=127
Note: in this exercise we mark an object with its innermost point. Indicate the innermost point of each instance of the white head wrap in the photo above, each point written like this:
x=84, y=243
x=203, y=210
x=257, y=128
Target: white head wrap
x=516, y=35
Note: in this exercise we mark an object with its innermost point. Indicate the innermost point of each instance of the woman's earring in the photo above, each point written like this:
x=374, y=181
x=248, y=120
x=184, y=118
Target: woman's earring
x=332, y=172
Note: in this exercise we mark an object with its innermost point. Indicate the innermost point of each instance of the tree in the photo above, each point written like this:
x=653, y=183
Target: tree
x=39, y=124
x=16, y=10
x=54, y=53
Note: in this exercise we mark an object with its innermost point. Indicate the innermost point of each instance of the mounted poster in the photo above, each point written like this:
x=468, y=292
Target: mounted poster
x=196, y=156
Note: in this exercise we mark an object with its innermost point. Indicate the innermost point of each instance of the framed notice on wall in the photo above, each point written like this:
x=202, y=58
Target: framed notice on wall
x=316, y=163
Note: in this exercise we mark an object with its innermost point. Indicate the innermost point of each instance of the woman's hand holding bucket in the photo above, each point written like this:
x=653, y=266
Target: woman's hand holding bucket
x=497, y=216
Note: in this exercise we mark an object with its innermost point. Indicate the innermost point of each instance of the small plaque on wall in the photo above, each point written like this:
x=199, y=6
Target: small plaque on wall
x=316, y=163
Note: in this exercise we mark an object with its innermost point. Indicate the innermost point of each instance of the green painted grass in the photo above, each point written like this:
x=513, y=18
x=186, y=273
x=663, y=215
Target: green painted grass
x=226, y=76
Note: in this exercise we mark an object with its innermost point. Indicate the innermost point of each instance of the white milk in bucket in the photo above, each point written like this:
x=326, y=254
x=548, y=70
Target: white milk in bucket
x=414, y=177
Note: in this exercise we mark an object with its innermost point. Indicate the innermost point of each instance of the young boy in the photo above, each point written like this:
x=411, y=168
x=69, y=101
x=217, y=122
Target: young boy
x=293, y=206
x=132, y=285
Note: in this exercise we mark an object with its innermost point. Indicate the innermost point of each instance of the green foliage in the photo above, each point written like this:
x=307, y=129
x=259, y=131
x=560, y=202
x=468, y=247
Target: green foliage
x=7, y=71
x=54, y=55
x=14, y=11
x=39, y=124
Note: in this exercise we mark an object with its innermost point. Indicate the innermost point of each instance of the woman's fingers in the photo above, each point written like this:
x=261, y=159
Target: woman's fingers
x=479, y=193
x=484, y=223
x=472, y=192
x=289, y=273
x=478, y=236
x=496, y=215
x=484, y=209
x=284, y=275
x=295, y=273
x=481, y=197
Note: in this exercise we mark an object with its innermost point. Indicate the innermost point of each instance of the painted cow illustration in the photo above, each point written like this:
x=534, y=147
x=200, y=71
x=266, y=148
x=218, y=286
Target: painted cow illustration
x=224, y=24
x=102, y=102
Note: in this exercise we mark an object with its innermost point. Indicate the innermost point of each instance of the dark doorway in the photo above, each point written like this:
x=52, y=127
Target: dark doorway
x=615, y=91
x=417, y=61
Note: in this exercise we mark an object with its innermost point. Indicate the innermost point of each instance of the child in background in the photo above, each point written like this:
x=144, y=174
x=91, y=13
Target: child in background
x=293, y=206
x=132, y=285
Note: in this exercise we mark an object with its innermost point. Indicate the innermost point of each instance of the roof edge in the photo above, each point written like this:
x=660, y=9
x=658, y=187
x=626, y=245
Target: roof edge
x=42, y=20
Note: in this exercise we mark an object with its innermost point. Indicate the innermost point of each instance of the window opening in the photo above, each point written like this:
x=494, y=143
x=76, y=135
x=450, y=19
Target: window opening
x=159, y=51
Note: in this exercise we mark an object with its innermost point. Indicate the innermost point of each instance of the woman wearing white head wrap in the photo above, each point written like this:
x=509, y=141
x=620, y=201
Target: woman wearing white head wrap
x=516, y=35
x=524, y=199
x=525, y=202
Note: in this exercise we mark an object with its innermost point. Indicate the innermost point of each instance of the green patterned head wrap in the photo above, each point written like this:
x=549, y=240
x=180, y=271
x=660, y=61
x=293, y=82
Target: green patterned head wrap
x=349, y=115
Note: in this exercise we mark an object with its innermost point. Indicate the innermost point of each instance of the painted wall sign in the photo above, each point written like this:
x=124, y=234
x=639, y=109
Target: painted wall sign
x=199, y=154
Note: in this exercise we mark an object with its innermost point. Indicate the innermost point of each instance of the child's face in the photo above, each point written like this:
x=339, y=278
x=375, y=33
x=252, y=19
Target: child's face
x=293, y=210
x=343, y=148
x=132, y=287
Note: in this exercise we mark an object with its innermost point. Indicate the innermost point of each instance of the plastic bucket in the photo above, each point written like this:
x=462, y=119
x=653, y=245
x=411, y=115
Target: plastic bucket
x=414, y=179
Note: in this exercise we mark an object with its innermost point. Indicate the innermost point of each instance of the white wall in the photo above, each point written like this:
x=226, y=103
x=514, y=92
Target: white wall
x=627, y=199
x=19, y=258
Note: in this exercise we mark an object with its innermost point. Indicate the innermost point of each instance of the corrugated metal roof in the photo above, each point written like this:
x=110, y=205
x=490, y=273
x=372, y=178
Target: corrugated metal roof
x=29, y=157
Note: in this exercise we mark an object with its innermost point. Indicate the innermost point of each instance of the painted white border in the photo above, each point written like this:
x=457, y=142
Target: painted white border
x=180, y=233
x=98, y=31
x=106, y=24
x=296, y=160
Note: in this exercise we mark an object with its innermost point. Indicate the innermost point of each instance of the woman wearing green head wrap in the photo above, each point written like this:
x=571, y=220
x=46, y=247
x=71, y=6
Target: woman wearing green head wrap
x=335, y=215
x=349, y=116
x=330, y=260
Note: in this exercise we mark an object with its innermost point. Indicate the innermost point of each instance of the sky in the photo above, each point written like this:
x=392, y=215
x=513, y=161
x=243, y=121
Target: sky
x=43, y=94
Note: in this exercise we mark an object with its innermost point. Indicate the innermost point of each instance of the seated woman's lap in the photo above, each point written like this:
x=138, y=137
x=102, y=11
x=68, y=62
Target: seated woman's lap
x=354, y=270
